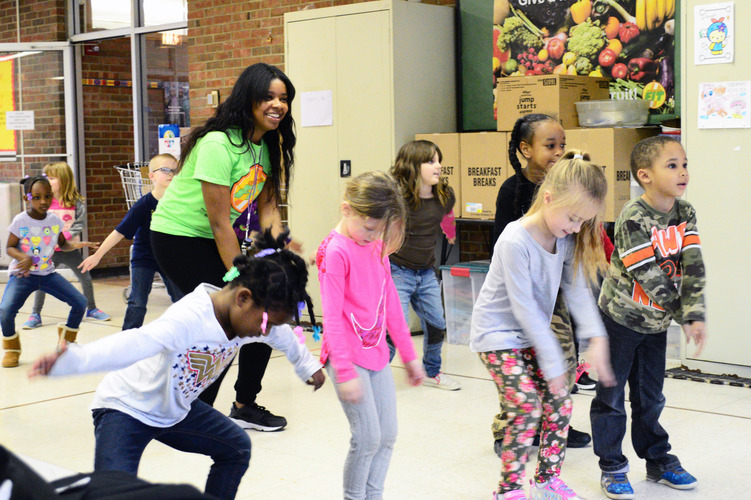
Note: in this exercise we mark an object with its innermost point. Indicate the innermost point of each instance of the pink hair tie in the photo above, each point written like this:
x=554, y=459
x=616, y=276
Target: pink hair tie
x=264, y=322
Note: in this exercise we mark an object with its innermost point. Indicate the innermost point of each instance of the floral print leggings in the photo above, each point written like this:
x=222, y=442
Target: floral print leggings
x=524, y=398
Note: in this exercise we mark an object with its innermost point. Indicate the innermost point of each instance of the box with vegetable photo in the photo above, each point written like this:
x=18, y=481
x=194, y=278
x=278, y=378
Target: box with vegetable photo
x=629, y=42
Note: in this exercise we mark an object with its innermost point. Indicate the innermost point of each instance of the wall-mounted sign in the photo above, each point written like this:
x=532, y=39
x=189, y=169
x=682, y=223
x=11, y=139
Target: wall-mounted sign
x=19, y=120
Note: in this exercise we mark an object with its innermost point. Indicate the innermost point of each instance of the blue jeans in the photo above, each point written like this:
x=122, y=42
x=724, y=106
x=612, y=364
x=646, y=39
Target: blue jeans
x=71, y=260
x=638, y=359
x=141, y=279
x=18, y=290
x=421, y=289
x=121, y=439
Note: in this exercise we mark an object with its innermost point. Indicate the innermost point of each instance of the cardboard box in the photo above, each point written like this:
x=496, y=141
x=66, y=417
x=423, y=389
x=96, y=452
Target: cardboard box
x=449, y=146
x=484, y=167
x=553, y=95
x=611, y=148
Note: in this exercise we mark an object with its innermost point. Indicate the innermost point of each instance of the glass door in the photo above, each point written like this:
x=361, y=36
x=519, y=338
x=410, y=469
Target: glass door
x=37, y=98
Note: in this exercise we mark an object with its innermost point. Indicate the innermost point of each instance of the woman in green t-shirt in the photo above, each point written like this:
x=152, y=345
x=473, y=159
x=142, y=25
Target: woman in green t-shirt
x=241, y=154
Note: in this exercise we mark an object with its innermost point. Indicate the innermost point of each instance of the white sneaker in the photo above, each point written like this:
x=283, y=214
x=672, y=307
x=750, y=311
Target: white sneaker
x=442, y=381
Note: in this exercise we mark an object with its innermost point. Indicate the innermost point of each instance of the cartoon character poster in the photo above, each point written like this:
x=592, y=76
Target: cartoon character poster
x=632, y=42
x=724, y=105
x=714, y=33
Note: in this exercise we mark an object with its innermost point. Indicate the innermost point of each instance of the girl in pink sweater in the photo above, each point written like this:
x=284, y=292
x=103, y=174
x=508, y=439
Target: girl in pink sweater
x=360, y=306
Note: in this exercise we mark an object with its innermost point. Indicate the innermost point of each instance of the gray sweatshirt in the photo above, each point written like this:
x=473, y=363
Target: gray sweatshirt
x=515, y=305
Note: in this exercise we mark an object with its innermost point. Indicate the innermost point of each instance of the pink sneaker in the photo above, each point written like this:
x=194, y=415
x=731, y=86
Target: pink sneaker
x=510, y=495
x=553, y=489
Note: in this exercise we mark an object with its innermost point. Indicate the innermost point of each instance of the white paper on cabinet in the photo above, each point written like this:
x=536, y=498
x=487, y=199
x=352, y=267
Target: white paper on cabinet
x=316, y=109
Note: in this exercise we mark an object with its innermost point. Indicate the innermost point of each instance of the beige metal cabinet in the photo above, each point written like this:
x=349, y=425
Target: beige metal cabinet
x=390, y=68
x=719, y=190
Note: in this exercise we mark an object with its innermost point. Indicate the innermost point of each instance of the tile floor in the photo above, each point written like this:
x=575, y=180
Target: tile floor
x=444, y=449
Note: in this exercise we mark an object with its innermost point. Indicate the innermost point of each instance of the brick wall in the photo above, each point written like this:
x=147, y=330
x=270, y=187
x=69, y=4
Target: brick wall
x=108, y=140
x=40, y=21
x=226, y=36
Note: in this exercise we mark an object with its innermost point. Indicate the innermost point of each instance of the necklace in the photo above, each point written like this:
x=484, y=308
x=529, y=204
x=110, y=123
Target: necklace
x=247, y=242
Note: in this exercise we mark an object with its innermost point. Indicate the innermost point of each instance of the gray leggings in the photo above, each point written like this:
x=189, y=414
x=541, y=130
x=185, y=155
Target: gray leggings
x=71, y=259
x=373, y=426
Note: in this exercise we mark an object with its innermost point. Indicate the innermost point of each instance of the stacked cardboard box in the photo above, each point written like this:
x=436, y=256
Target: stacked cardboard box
x=554, y=95
x=484, y=167
x=611, y=149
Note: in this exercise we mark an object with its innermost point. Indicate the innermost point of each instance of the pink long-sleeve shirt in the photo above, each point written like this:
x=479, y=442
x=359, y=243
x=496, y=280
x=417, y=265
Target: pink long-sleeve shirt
x=360, y=305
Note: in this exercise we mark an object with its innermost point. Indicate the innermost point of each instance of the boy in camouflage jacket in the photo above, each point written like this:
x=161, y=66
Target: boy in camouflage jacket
x=656, y=274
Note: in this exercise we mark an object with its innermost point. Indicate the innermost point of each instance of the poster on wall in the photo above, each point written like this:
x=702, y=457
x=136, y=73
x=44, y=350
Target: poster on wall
x=724, y=105
x=7, y=103
x=631, y=42
x=715, y=33
x=177, y=103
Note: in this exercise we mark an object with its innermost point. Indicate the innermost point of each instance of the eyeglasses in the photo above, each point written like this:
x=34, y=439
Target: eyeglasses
x=164, y=170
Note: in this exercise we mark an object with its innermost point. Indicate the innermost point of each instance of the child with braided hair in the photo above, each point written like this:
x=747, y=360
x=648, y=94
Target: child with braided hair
x=34, y=235
x=541, y=140
x=161, y=370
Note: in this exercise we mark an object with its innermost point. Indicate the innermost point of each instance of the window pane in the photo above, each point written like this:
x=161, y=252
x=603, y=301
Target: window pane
x=164, y=11
x=167, y=99
x=97, y=15
x=38, y=23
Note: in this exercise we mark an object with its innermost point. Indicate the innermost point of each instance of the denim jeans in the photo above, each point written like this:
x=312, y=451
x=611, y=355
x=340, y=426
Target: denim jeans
x=71, y=260
x=141, y=279
x=374, y=427
x=121, y=439
x=639, y=359
x=18, y=290
x=421, y=289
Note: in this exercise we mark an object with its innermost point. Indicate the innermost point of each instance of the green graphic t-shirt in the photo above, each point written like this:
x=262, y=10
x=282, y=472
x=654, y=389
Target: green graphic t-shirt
x=214, y=159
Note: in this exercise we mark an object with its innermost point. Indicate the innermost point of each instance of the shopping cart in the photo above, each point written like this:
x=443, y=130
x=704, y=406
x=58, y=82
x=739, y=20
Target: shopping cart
x=136, y=183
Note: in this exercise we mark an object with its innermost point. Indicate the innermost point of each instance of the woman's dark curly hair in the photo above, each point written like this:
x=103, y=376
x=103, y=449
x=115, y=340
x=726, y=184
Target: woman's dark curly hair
x=278, y=279
x=251, y=89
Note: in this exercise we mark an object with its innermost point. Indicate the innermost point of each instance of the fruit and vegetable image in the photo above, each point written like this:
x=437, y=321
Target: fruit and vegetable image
x=632, y=42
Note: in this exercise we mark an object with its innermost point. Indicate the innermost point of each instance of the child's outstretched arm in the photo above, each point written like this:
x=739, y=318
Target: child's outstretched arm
x=93, y=260
x=307, y=367
x=68, y=246
x=42, y=366
x=116, y=351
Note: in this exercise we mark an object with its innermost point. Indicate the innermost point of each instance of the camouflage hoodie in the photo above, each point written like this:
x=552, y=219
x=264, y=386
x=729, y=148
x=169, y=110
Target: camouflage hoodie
x=656, y=271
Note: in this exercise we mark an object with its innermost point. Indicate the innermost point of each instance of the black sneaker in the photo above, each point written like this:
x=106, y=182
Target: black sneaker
x=585, y=382
x=256, y=417
x=577, y=439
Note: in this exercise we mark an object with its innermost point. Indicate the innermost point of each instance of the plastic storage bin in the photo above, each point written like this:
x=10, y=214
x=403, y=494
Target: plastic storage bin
x=461, y=285
x=613, y=113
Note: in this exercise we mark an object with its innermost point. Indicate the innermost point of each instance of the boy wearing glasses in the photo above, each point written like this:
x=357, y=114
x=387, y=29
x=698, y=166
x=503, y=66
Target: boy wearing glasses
x=135, y=226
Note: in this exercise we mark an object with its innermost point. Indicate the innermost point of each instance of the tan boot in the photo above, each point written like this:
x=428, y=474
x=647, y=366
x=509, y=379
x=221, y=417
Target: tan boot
x=12, y=347
x=66, y=333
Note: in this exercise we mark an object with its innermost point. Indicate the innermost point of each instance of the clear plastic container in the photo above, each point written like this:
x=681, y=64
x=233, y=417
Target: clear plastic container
x=461, y=286
x=613, y=113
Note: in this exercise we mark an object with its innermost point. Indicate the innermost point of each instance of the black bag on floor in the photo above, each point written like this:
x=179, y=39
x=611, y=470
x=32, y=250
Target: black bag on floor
x=117, y=485
x=18, y=481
